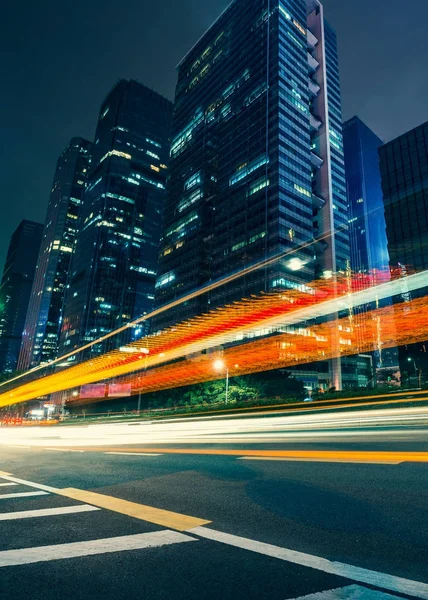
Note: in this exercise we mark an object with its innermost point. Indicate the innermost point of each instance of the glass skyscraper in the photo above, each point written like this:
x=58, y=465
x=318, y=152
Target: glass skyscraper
x=257, y=165
x=44, y=317
x=15, y=290
x=367, y=228
x=114, y=267
x=404, y=170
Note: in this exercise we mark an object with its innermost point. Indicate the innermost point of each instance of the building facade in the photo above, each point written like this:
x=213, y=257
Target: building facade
x=41, y=334
x=367, y=228
x=113, y=271
x=404, y=171
x=257, y=166
x=15, y=291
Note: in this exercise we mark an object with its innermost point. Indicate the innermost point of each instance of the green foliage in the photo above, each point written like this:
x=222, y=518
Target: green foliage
x=277, y=385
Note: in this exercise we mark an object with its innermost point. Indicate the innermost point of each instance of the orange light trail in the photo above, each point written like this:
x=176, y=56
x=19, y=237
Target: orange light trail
x=256, y=316
x=291, y=349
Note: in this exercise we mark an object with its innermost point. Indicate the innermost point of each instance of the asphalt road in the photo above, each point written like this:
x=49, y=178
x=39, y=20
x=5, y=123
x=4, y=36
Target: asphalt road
x=216, y=526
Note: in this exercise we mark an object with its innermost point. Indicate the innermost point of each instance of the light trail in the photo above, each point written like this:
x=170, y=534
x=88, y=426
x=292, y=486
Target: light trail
x=240, y=321
x=190, y=296
x=278, y=429
x=286, y=350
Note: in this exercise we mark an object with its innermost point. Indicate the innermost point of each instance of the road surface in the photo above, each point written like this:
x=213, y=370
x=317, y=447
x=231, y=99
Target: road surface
x=329, y=517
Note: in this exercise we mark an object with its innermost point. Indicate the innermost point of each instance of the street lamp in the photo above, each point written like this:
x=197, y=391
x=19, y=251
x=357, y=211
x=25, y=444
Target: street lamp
x=417, y=373
x=219, y=365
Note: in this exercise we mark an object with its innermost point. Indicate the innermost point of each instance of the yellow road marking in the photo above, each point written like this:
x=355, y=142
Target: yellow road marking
x=4, y=473
x=342, y=455
x=328, y=460
x=158, y=516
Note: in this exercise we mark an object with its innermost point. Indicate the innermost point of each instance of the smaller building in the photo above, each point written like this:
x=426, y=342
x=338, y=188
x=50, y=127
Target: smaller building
x=367, y=228
x=42, y=327
x=404, y=171
x=15, y=291
x=113, y=272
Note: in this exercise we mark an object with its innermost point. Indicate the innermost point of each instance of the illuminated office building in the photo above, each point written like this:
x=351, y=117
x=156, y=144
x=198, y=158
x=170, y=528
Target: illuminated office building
x=44, y=317
x=15, y=290
x=367, y=228
x=113, y=271
x=256, y=165
x=404, y=170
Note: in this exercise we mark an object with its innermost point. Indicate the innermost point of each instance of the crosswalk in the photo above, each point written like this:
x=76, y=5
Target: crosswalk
x=48, y=553
x=25, y=556
x=38, y=509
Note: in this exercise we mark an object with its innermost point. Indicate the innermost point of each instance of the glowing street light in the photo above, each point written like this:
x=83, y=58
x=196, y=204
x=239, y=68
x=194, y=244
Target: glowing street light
x=418, y=372
x=220, y=365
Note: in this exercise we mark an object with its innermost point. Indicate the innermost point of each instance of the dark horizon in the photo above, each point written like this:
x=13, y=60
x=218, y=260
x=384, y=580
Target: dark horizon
x=56, y=82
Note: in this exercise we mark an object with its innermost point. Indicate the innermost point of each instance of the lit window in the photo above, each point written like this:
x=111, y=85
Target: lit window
x=244, y=171
x=116, y=153
x=153, y=142
x=193, y=180
x=302, y=190
x=165, y=279
x=285, y=13
x=258, y=185
x=299, y=27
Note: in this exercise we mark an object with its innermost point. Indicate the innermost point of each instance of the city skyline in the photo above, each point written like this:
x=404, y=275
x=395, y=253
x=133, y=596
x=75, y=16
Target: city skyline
x=214, y=350
x=65, y=109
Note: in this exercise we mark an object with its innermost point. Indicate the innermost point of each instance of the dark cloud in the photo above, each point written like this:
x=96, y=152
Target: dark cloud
x=59, y=59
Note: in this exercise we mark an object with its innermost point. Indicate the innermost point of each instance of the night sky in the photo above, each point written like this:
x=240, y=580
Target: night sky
x=59, y=58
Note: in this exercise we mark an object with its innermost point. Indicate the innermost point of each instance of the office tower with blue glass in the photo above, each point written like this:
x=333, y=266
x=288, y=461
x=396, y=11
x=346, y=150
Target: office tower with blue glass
x=367, y=228
x=257, y=165
x=113, y=270
x=44, y=317
x=404, y=171
x=15, y=290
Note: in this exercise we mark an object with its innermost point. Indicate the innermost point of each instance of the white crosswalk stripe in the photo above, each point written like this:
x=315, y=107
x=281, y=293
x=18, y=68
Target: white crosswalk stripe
x=22, y=495
x=47, y=512
x=166, y=537
x=25, y=556
x=375, y=578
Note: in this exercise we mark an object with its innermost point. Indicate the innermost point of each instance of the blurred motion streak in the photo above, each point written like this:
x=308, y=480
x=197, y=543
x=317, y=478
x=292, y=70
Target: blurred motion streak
x=280, y=322
x=300, y=347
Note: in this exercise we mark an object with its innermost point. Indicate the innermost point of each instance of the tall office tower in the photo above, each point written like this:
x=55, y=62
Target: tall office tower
x=367, y=228
x=42, y=326
x=114, y=268
x=257, y=164
x=404, y=170
x=15, y=290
